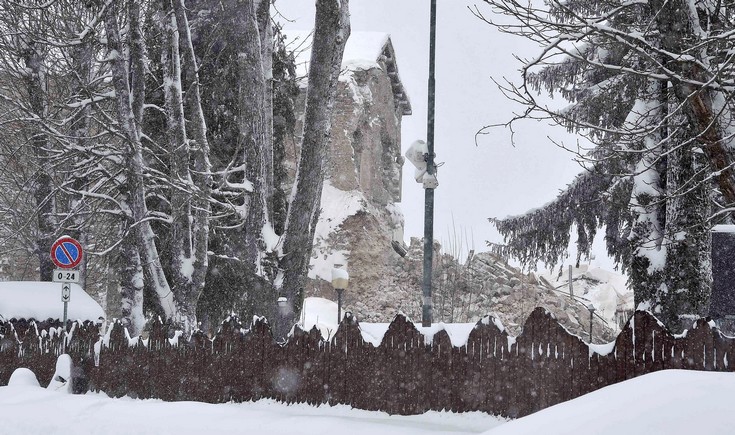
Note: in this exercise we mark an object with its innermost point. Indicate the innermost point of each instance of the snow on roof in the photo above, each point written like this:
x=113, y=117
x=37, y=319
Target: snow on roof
x=42, y=301
x=363, y=51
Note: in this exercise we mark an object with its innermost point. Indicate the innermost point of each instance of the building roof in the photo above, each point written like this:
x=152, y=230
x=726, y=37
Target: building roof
x=42, y=301
x=363, y=51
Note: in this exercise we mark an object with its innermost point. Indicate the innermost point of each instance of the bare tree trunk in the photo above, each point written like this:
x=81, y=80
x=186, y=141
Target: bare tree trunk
x=253, y=136
x=332, y=28
x=182, y=186
x=82, y=56
x=134, y=186
x=265, y=31
x=131, y=289
x=42, y=182
x=674, y=18
x=700, y=111
x=201, y=180
x=137, y=63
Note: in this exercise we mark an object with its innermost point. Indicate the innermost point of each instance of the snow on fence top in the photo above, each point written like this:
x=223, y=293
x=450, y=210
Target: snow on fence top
x=42, y=301
x=458, y=333
x=545, y=366
x=322, y=314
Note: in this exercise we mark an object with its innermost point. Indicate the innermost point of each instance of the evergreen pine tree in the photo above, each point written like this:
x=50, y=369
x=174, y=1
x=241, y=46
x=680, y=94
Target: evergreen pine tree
x=658, y=120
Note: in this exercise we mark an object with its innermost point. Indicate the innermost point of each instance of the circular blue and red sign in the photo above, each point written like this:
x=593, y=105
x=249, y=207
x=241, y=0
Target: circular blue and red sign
x=66, y=253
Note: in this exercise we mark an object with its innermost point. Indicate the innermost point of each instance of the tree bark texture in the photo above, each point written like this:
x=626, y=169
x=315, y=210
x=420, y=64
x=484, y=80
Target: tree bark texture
x=252, y=139
x=680, y=31
x=199, y=150
x=82, y=57
x=181, y=185
x=265, y=31
x=332, y=28
x=131, y=289
x=42, y=183
x=133, y=156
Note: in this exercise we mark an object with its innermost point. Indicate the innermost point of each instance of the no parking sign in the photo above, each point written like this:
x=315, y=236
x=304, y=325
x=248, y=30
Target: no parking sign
x=66, y=253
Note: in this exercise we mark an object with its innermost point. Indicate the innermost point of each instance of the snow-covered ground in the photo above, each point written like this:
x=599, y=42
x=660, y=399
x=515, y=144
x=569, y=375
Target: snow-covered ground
x=672, y=402
x=32, y=410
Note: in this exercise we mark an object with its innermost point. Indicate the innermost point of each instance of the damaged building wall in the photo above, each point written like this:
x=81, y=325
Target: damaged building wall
x=359, y=217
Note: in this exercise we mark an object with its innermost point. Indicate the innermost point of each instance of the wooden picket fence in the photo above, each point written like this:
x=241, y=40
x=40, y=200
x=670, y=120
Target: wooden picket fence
x=36, y=345
x=544, y=366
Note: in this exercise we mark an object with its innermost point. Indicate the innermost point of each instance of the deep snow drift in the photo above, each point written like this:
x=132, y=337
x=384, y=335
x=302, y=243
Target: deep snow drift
x=34, y=410
x=670, y=402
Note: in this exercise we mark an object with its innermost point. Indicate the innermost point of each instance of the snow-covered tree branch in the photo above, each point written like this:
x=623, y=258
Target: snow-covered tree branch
x=650, y=84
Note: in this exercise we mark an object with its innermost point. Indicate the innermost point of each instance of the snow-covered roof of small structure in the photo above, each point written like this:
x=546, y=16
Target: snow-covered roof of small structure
x=364, y=50
x=42, y=301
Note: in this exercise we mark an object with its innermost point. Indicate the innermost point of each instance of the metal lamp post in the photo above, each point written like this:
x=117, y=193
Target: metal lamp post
x=421, y=155
x=340, y=279
x=427, y=312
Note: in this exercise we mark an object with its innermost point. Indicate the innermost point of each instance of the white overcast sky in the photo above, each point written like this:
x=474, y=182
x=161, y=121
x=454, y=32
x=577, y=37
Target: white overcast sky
x=493, y=178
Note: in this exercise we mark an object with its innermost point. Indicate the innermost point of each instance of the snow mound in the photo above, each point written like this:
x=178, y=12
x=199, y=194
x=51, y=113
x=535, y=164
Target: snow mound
x=61, y=381
x=671, y=402
x=23, y=377
x=320, y=313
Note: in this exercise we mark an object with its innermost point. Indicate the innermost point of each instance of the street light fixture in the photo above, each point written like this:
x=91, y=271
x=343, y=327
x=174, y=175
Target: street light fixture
x=282, y=304
x=340, y=279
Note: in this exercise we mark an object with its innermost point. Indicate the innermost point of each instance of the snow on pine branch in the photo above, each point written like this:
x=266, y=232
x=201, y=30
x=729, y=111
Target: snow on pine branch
x=542, y=234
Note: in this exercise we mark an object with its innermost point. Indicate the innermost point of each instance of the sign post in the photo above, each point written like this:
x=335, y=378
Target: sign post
x=65, y=296
x=66, y=254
